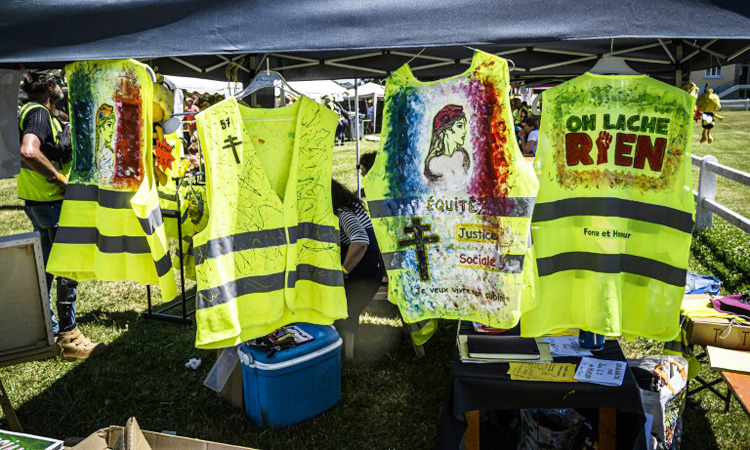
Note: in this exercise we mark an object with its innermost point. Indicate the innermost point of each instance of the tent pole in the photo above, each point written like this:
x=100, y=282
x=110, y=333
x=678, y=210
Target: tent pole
x=356, y=133
x=374, y=113
x=678, y=66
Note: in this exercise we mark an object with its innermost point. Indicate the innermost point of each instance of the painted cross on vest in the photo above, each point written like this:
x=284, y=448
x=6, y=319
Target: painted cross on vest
x=232, y=143
x=419, y=241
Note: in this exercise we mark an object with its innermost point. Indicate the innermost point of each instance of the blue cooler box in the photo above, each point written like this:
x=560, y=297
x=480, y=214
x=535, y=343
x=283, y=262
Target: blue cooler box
x=295, y=384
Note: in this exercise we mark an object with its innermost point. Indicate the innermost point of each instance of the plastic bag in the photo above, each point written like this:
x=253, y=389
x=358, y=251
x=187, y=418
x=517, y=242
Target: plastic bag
x=702, y=284
x=558, y=429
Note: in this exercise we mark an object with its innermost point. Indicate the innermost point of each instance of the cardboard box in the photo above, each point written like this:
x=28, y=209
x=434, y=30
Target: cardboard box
x=710, y=331
x=131, y=437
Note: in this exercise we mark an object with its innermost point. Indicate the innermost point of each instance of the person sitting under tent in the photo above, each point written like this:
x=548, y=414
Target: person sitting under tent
x=361, y=260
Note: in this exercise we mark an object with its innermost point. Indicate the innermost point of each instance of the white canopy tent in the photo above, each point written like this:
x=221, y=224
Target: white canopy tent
x=202, y=86
x=316, y=90
x=199, y=86
x=369, y=91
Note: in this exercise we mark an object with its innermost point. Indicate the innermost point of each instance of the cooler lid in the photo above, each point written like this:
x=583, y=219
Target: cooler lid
x=323, y=336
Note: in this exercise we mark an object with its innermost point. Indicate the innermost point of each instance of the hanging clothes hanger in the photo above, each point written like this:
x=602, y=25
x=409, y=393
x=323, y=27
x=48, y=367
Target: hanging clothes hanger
x=266, y=79
x=612, y=65
x=510, y=69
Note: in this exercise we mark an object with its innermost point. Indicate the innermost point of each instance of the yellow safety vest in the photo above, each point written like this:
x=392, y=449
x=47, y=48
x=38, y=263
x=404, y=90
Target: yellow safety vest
x=613, y=219
x=451, y=196
x=31, y=184
x=197, y=219
x=270, y=254
x=111, y=227
x=168, y=192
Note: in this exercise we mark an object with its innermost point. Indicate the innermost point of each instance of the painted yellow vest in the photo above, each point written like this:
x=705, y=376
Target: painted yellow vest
x=111, y=227
x=31, y=184
x=451, y=197
x=270, y=254
x=613, y=219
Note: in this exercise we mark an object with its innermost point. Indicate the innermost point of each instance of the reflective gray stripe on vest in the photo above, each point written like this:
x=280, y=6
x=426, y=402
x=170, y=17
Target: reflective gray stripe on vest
x=165, y=196
x=243, y=286
x=314, y=231
x=507, y=263
x=486, y=206
x=172, y=214
x=152, y=222
x=239, y=242
x=260, y=284
x=105, y=244
x=394, y=260
x=263, y=239
x=597, y=262
x=614, y=207
x=307, y=272
x=163, y=265
x=105, y=198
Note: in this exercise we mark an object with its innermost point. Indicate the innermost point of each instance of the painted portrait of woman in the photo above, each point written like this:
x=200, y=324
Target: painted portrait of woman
x=447, y=159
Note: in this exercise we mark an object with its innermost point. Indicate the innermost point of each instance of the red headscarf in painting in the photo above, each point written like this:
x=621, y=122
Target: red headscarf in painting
x=447, y=116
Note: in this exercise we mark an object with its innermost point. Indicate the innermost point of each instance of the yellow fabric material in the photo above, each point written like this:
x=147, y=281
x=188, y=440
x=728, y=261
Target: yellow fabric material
x=450, y=196
x=197, y=218
x=31, y=184
x=613, y=218
x=425, y=332
x=168, y=192
x=702, y=307
x=269, y=255
x=111, y=227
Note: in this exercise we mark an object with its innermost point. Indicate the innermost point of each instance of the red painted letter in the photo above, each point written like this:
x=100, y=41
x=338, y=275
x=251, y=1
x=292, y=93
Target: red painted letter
x=644, y=151
x=623, y=148
x=577, y=148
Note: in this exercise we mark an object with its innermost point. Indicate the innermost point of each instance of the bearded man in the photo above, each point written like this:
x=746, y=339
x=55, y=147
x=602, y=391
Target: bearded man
x=46, y=155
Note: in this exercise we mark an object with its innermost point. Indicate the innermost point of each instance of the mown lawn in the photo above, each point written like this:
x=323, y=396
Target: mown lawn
x=391, y=399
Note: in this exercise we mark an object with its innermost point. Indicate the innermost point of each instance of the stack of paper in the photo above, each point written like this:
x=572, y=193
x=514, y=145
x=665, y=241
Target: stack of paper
x=565, y=346
x=729, y=360
x=599, y=371
x=558, y=372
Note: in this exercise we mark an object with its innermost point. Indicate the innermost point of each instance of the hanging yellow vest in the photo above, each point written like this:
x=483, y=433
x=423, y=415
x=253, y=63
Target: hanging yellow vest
x=110, y=225
x=196, y=213
x=613, y=219
x=270, y=254
x=168, y=192
x=31, y=184
x=451, y=196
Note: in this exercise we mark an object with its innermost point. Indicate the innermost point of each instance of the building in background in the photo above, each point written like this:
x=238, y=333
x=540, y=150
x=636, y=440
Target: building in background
x=731, y=81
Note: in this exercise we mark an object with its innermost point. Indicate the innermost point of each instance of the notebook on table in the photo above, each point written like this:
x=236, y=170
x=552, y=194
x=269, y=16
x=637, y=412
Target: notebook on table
x=502, y=347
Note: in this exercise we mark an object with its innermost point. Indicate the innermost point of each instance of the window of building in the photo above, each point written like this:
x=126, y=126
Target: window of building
x=713, y=72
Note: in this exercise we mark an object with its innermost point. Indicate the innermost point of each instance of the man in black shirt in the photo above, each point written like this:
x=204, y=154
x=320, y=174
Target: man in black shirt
x=45, y=161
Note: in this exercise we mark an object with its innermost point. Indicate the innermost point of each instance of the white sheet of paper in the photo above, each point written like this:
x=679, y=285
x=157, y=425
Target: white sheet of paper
x=565, y=346
x=599, y=371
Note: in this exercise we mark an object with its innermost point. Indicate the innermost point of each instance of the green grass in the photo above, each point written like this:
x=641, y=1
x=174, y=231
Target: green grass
x=390, y=398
